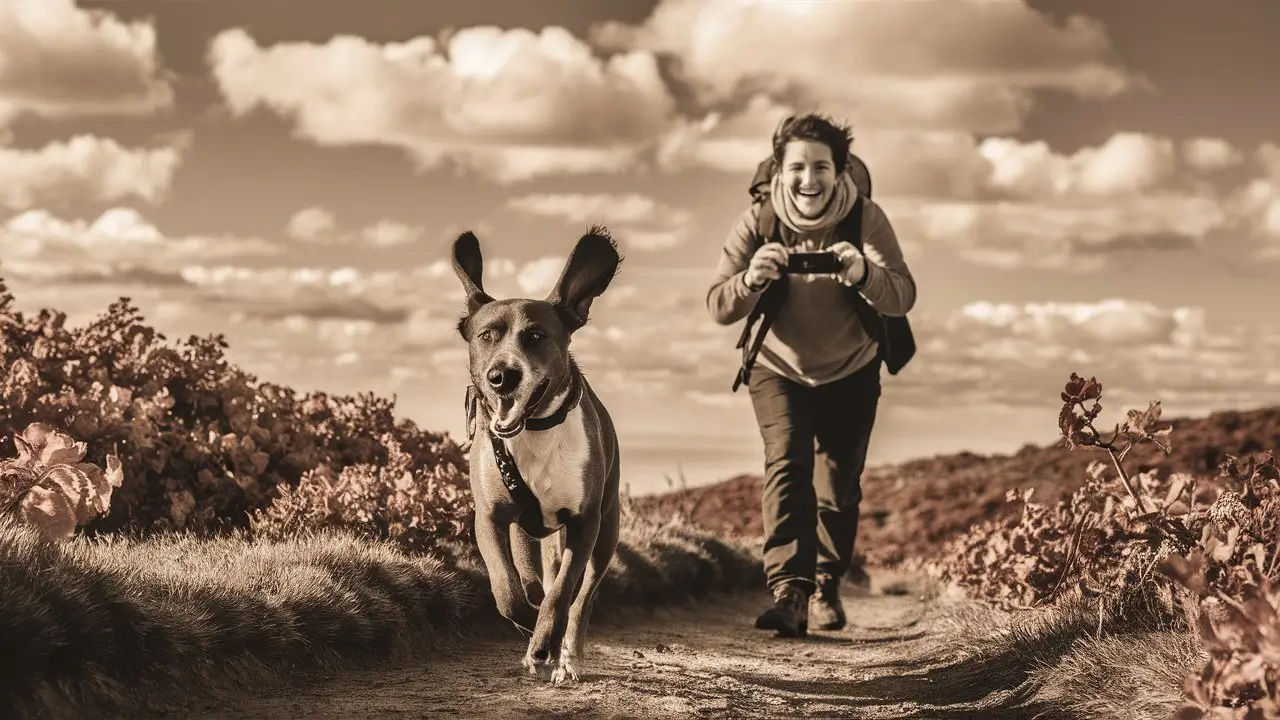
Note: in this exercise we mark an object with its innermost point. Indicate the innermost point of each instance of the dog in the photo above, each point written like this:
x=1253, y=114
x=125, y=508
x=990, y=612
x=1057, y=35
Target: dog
x=547, y=461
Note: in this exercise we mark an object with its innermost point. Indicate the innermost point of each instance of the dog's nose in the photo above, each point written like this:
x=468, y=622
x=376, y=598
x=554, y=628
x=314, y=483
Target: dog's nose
x=503, y=379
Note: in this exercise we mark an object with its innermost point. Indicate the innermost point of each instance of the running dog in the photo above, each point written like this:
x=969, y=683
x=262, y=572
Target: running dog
x=547, y=460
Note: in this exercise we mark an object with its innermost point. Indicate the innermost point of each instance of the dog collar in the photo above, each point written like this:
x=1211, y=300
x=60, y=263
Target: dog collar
x=529, y=510
x=559, y=416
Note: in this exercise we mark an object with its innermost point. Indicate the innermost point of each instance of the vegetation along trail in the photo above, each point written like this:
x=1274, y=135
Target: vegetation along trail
x=896, y=659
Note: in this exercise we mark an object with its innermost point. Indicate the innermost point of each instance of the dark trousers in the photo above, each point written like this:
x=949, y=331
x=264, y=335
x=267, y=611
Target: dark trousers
x=815, y=447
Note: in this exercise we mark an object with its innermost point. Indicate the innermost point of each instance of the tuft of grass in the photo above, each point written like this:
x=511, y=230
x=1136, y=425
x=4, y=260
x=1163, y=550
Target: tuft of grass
x=113, y=625
x=1135, y=677
x=119, y=625
x=996, y=663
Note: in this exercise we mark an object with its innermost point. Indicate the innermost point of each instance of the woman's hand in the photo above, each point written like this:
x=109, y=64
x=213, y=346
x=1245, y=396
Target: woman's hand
x=767, y=264
x=853, y=264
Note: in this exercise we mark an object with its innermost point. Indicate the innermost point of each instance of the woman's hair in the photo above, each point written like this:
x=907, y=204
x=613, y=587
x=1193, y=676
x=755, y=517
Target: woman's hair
x=816, y=127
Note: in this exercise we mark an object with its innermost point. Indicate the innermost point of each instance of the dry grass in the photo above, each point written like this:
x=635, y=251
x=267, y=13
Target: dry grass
x=1137, y=676
x=1050, y=663
x=118, y=626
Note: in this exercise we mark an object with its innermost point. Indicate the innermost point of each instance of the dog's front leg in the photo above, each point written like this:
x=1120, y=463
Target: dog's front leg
x=493, y=540
x=543, y=655
x=575, y=637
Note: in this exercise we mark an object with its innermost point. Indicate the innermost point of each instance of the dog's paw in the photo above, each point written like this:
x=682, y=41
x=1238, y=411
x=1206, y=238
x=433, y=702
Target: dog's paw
x=544, y=670
x=566, y=670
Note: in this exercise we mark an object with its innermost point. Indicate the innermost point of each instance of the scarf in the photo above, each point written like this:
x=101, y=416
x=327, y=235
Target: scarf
x=841, y=202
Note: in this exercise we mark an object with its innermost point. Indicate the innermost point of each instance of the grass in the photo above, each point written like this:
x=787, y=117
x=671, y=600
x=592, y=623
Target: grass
x=1066, y=662
x=121, y=626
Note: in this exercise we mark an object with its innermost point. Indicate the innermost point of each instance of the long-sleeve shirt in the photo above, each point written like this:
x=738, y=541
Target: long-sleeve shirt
x=817, y=336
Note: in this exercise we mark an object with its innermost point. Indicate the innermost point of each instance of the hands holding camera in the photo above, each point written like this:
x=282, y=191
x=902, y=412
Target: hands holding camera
x=853, y=264
x=772, y=260
x=767, y=264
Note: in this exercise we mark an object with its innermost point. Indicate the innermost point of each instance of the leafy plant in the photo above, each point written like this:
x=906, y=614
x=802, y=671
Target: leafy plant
x=204, y=444
x=1214, y=543
x=418, y=509
x=50, y=487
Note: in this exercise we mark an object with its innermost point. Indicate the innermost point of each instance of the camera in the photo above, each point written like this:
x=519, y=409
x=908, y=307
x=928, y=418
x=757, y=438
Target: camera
x=809, y=263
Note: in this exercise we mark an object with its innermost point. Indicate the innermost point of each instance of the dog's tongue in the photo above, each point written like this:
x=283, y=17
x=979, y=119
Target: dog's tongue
x=506, y=421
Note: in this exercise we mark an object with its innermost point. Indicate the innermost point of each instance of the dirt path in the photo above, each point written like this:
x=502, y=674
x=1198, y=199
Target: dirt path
x=706, y=662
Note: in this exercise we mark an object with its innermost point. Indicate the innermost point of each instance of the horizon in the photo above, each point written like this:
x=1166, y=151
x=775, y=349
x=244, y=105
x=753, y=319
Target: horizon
x=1076, y=195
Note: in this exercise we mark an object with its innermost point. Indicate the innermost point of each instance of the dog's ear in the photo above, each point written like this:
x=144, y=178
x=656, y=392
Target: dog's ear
x=469, y=266
x=587, y=273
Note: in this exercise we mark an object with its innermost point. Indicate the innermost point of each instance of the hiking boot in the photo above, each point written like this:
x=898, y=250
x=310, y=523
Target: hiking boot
x=825, y=607
x=789, y=615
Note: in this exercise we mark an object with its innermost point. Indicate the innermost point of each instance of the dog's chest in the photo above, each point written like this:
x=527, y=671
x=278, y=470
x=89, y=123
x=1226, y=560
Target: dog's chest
x=554, y=463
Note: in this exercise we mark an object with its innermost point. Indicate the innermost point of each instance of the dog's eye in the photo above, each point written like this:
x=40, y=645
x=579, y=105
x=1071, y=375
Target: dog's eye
x=535, y=336
x=488, y=335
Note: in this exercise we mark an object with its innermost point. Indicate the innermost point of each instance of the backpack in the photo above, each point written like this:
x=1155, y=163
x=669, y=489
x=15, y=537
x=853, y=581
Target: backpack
x=893, y=333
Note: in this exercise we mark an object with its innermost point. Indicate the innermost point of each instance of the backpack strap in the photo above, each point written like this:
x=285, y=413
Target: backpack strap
x=768, y=229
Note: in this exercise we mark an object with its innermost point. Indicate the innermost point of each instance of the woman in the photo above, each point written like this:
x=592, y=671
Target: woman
x=818, y=374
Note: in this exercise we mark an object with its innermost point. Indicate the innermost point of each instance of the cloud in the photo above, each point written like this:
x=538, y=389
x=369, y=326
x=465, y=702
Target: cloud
x=893, y=65
x=510, y=104
x=1127, y=164
x=734, y=142
x=636, y=220
x=93, y=168
x=58, y=60
x=311, y=222
x=1021, y=354
x=1115, y=322
x=391, y=233
x=319, y=226
x=1256, y=205
x=1077, y=236
x=119, y=247
x=1206, y=153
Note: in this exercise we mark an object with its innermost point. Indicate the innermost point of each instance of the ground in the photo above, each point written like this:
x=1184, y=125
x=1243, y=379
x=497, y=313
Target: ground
x=705, y=661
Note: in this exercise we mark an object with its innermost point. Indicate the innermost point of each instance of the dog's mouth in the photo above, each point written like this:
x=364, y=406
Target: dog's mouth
x=510, y=414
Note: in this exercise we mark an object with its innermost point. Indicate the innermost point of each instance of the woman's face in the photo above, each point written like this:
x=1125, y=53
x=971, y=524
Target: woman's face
x=809, y=172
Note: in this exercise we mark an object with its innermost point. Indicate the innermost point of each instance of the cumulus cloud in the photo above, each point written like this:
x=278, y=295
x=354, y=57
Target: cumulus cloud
x=1257, y=203
x=1208, y=153
x=1073, y=236
x=311, y=222
x=59, y=60
x=511, y=104
x=899, y=64
x=92, y=168
x=317, y=225
x=1021, y=354
x=636, y=220
x=119, y=246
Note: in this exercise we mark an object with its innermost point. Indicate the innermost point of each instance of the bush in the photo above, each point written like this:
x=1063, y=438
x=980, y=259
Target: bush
x=204, y=444
x=416, y=509
x=1210, y=545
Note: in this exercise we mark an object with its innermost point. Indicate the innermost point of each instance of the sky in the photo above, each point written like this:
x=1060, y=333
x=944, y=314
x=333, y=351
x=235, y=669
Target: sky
x=1079, y=186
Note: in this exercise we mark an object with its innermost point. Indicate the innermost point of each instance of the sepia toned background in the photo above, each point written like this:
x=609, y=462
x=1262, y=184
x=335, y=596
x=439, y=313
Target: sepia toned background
x=1079, y=186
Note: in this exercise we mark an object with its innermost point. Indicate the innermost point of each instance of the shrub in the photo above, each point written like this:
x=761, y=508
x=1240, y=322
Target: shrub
x=204, y=444
x=1211, y=544
x=416, y=508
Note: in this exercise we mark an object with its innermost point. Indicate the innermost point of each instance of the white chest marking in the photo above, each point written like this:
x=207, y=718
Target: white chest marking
x=553, y=463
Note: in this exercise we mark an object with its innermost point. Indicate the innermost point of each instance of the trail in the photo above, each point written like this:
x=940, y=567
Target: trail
x=706, y=661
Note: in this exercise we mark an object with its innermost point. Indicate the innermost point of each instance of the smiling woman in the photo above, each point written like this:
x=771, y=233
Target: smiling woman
x=819, y=378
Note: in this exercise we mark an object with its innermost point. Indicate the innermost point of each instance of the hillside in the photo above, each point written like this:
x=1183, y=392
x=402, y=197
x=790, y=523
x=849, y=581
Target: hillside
x=910, y=508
